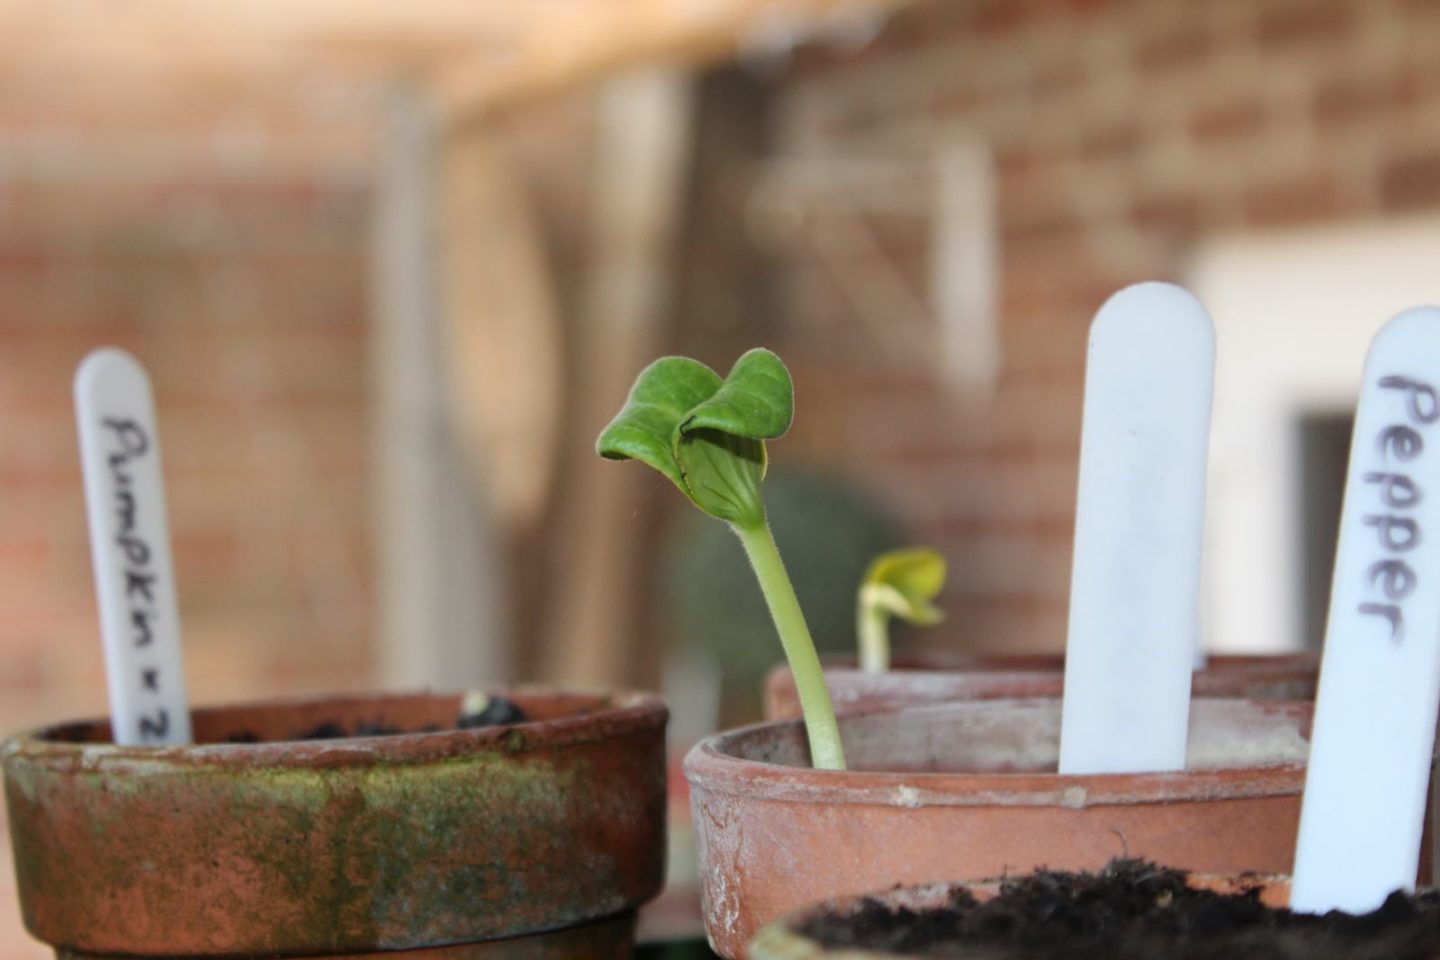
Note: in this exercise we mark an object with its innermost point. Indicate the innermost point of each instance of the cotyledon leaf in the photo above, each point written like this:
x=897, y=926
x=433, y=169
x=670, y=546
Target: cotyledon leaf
x=704, y=433
x=904, y=582
x=720, y=445
x=723, y=473
x=757, y=400
x=661, y=399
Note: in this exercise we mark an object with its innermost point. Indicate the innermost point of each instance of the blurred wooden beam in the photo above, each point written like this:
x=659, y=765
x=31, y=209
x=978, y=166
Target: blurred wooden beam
x=438, y=554
x=87, y=57
x=645, y=121
x=155, y=23
x=94, y=53
x=583, y=44
x=504, y=350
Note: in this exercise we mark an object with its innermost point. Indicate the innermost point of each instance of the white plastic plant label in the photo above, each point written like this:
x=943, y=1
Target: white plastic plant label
x=1375, y=711
x=130, y=550
x=1134, y=592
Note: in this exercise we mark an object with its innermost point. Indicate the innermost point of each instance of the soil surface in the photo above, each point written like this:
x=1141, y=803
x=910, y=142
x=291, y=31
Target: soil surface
x=1132, y=911
x=498, y=711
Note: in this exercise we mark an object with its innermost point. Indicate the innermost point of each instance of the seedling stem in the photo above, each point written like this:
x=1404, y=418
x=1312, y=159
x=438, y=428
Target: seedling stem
x=825, y=751
x=872, y=625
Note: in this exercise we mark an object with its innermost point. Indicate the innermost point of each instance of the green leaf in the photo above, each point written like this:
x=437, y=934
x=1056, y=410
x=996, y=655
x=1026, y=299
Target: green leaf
x=704, y=433
x=904, y=582
x=756, y=400
x=723, y=473
x=645, y=429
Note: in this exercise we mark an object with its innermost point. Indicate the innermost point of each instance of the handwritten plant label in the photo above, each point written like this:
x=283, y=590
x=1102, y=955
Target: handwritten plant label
x=1375, y=711
x=1134, y=593
x=130, y=550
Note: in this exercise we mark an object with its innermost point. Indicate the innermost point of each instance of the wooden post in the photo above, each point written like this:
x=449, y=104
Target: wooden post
x=644, y=128
x=439, y=576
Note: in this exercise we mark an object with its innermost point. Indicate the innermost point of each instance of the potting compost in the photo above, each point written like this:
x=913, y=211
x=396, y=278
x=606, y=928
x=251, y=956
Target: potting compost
x=497, y=712
x=1132, y=910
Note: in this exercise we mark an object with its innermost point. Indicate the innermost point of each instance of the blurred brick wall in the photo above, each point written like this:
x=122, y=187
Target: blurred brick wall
x=1122, y=131
x=246, y=301
x=245, y=297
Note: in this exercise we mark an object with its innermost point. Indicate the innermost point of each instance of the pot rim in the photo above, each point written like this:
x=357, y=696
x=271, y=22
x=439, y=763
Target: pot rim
x=712, y=765
x=939, y=663
x=614, y=713
x=920, y=895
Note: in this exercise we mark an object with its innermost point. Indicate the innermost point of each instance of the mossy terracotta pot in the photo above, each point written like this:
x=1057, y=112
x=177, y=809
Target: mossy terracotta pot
x=940, y=678
x=968, y=790
x=785, y=939
x=534, y=840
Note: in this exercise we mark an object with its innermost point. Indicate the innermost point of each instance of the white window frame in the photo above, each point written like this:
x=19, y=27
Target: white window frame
x=1294, y=314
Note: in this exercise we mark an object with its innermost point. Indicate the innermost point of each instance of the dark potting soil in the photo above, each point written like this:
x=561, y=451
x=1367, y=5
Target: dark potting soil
x=1132, y=911
x=498, y=711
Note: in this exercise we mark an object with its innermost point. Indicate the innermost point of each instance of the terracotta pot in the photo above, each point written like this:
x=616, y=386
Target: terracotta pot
x=941, y=678
x=782, y=941
x=967, y=790
x=534, y=840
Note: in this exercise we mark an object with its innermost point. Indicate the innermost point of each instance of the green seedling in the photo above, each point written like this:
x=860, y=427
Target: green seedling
x=708, y=436
x=900, y=583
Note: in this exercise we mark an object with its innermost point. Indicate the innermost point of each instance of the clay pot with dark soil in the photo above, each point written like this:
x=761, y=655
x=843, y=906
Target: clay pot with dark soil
x=968, y=790
x=918, y=678
x=1129, y=911
x=533, y=840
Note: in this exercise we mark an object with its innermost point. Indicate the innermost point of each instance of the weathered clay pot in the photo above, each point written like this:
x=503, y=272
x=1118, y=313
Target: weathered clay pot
x=534, y=840
x=782, y=941
x=941, y=678
x=968, y=790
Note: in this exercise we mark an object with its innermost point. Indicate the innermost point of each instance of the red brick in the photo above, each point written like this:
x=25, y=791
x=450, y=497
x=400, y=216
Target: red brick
x=29, y=261
x=1091, y=8
x=1171, y=214
x=216, y=552
x=29, y=553
x=1180, y=49
x=1056, y=227
x=1019, y=162
x=1055, y=80
x=1342, y=101
x=989, y=625
x=1294, y=23
x=1229, y=121
x=1002, y=16
x=1111, y=142
x=972, y=496
x=905, y=432
x=1040, y=410
x=1314, y=198
x=22, y=666
x=1010, y=569
x=1410, y=183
